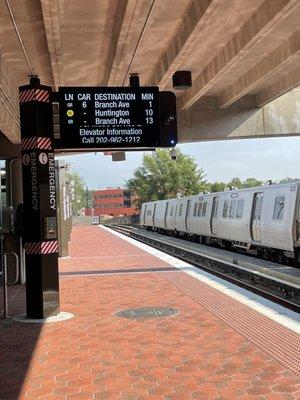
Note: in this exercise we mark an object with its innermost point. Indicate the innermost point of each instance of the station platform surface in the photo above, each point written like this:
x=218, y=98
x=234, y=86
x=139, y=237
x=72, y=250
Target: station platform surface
x=215, y=347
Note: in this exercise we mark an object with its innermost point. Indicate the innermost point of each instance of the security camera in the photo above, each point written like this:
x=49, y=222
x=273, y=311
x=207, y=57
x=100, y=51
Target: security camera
x=173, y=153
x=169, y=119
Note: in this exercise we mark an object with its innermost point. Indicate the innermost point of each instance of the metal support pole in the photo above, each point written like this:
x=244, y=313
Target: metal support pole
x=12, y=203
x=5, y=282
x=5, y=294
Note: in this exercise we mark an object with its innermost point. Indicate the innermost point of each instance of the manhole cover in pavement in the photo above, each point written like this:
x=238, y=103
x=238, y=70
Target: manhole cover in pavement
x=147, y=312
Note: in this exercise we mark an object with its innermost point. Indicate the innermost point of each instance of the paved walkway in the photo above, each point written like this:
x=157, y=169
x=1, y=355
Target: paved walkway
x=96, y=355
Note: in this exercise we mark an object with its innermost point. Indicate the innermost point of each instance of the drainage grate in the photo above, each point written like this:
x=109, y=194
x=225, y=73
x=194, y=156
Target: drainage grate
x=147, y=312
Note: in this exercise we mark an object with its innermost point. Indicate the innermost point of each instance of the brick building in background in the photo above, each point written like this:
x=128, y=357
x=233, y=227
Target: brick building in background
x=114, y=201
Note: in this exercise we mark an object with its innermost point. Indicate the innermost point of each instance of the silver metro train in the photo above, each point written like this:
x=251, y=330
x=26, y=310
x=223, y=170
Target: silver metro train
x=264, y=221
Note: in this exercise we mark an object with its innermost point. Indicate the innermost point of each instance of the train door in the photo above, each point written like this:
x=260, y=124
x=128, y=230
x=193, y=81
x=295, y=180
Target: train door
x=188, y=213
x=175, y=216
x=256, y=217
x=166, y=214
x=213, y=218
x=169, y=216
x=143, y=214
x=154, y=209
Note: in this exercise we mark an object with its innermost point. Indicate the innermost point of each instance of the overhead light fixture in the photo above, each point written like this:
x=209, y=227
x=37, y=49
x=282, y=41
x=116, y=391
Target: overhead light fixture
x=134, y=80
x=118, y=156
x=182, y=80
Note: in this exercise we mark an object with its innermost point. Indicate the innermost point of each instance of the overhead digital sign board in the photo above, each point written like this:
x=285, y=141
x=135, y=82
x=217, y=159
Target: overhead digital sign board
x=116, y=118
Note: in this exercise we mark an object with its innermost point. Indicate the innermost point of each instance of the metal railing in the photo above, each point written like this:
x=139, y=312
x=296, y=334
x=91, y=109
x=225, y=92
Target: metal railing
x=5, y=281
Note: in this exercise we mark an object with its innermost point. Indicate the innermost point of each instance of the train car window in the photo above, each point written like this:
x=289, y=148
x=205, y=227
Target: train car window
x=200, y=209
x=171, y=211
x=232, y=209
x=278, y=207
x=215, y=210
x=195, y=209
x=149, y=212
x=180, y=210
x=240, y=208
x=189, y=209
x=260, y=208
x=204, y=209
x=255, y=207
x=225, y=208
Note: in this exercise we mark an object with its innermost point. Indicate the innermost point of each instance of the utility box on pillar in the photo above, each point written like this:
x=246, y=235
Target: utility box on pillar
x=40, y=232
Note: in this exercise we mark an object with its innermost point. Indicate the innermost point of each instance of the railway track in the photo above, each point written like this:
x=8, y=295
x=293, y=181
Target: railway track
x=274, y=289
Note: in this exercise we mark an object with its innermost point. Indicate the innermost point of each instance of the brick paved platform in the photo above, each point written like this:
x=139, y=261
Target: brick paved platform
x=197, y=354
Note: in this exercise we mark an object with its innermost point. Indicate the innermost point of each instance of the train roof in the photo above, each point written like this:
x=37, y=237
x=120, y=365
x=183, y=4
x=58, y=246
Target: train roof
x=265, y=187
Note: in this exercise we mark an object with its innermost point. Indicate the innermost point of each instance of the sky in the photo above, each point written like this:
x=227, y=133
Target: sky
x=270, y=158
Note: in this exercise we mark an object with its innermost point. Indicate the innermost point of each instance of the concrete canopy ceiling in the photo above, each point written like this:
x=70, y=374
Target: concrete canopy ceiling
x=236, y=50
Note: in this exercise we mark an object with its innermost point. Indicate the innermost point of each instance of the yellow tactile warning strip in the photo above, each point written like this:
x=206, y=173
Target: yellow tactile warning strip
x=279, y=342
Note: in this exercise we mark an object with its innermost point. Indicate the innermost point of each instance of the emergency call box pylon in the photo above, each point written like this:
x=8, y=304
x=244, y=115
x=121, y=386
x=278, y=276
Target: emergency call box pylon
x=39, y=194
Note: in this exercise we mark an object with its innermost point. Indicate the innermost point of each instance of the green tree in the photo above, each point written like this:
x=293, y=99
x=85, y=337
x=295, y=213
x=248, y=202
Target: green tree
x=79, y=191
x=159, y=177
x=90, y=198
x=252, y=182
x=289, y=180
x=247, y=183
x=235, y=182
x=218, y=187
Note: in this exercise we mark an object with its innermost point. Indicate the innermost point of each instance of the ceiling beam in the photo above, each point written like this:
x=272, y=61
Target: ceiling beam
x=283, y=85
x=284, y=54
x=258, y=26
x=184, y=38
x=9, y=103
x=52, y=23
x=123, y=8
x=131, y=28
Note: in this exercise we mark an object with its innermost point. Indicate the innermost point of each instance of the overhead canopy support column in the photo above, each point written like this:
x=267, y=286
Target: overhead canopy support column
x=40, y=232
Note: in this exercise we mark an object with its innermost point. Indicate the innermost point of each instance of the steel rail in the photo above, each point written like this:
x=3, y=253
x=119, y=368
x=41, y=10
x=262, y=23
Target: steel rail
x=281, y=293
